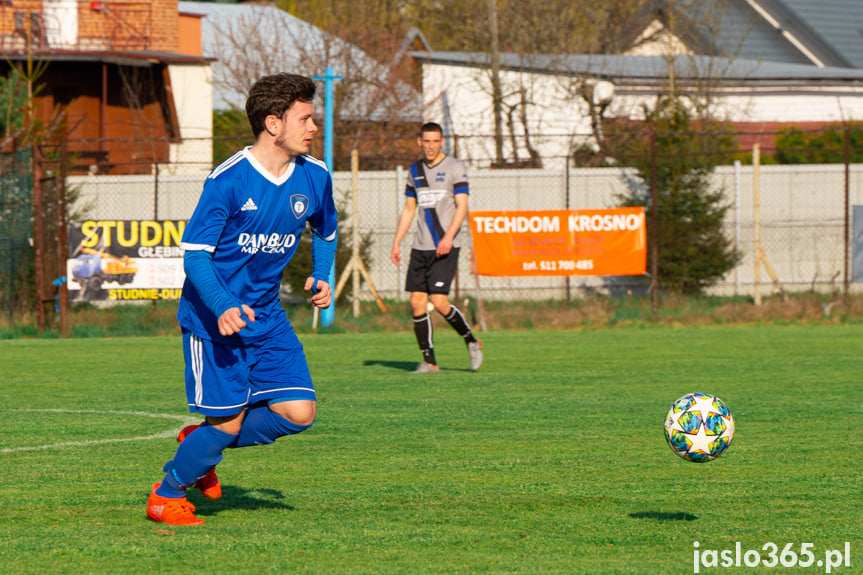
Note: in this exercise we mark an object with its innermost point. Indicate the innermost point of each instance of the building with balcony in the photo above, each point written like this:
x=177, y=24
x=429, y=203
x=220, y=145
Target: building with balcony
x=128, y=77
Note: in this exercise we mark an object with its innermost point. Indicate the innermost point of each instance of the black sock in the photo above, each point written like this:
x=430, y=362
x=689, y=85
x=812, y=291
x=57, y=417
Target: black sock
x=423, y=331
x=428, y=355
x=458, y=323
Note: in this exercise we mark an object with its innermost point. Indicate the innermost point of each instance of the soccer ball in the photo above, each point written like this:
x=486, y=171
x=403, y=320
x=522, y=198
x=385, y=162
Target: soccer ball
x=699, y=427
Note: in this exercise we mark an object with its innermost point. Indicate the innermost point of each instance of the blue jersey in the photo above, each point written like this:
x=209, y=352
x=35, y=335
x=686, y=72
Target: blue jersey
x=251, y=222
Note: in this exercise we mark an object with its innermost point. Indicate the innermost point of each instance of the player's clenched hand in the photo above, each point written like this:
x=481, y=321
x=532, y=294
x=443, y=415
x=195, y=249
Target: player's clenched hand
x=396, y=255
x=321, y=294
x=444, y=247
x=232, y=320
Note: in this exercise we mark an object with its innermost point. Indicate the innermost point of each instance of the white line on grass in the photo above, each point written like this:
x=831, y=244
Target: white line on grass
x=184, y=419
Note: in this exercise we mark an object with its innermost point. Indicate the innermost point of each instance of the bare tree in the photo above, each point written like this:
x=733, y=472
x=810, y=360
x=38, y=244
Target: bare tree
x=499, y=28
x=689, y=36
x=368, y=91
x=510, y=40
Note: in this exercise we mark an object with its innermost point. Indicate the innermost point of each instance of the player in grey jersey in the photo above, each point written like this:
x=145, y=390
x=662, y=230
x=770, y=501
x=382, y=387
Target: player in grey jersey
x=437, y=192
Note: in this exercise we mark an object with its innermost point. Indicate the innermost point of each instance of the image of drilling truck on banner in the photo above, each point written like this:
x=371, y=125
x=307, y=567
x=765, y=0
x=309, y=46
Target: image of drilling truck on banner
x=92, y=268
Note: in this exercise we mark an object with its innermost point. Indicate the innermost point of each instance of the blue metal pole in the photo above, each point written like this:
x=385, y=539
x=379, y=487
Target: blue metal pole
x=328, y=315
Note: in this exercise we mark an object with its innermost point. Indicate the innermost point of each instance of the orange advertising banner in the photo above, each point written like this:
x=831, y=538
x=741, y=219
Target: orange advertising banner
x=607, y=242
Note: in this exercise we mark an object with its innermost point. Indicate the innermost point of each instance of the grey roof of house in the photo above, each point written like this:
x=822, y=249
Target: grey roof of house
x=831, y=30
x=654, y=69
x=836, y=23
x=222, y=22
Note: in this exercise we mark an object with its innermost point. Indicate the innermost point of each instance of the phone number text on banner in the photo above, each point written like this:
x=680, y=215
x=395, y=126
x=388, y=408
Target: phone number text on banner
x=605, y=242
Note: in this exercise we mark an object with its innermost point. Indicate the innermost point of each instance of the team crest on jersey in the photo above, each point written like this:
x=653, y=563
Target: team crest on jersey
x=299, y=204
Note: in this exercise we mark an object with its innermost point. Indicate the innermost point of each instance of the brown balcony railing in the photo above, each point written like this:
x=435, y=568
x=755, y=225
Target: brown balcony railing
x=69, y=25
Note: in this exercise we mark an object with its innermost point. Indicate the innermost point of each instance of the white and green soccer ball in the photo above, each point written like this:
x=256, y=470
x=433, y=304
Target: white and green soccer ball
x=699, y=427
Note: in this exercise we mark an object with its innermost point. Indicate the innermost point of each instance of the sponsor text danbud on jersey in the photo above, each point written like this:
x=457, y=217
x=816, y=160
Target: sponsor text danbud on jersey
x=271, y=243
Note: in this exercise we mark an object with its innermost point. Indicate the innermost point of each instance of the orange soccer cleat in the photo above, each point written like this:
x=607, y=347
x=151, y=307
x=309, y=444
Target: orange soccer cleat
x=170, y=510
x=208, y=485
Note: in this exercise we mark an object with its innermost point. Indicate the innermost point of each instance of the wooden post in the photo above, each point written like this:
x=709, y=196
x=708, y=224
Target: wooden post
x=355, y=231
x=760, y=257
x=356, y=265
x=155, y=211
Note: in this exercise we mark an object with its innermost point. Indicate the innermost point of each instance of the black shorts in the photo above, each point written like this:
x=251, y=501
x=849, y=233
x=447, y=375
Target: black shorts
x=430, y=274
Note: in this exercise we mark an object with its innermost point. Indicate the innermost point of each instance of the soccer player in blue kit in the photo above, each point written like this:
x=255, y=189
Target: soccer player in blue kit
x=246, y=371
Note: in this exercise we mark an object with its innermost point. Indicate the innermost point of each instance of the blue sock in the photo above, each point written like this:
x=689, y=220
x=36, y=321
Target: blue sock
x=262, y=427
x=196, y=455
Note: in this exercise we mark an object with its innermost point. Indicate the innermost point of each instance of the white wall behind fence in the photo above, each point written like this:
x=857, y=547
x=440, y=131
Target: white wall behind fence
x=803, y=211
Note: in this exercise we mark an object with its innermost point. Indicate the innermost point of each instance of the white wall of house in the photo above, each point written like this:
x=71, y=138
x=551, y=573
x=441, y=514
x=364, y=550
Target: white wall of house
x=459, y=97
x=193, y=98
x=803, y=104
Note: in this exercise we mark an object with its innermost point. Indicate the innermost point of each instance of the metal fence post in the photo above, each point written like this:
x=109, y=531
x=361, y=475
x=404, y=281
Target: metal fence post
x=61, y=239
x=847, y=242
x=38, y=237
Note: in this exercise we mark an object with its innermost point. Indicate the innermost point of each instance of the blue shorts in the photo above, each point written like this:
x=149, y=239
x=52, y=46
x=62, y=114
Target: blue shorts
x=221, y=380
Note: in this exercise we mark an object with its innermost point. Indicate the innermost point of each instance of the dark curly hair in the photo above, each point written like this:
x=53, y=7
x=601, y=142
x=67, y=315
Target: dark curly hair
x=273, y=95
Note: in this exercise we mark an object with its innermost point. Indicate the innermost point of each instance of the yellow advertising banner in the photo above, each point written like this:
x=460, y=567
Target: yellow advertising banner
x=606, y=242
x=125, y=260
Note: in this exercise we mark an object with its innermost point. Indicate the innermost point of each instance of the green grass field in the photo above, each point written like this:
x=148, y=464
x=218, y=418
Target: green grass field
x=551, y=459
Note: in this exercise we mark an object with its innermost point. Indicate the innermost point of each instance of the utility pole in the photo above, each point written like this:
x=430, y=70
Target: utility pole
x=671, y=47
x=328, y=316
x=496, y=95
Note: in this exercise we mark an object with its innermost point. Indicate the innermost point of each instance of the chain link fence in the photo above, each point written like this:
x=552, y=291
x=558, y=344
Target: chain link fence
x=803, y=223
x=16, y=229
x=803, y=219
x=801, y=213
